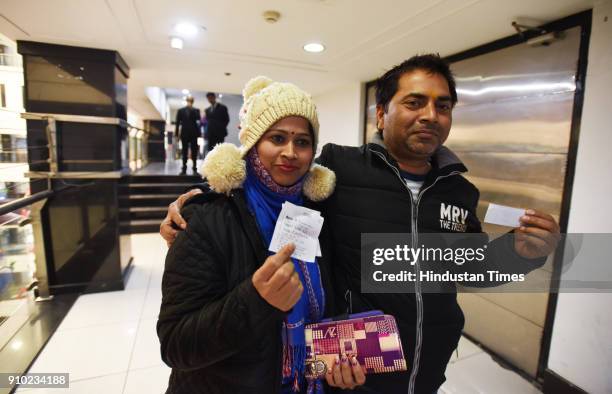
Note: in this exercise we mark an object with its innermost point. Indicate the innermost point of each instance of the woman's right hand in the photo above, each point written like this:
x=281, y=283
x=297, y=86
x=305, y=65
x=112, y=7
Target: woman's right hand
x=276, y=280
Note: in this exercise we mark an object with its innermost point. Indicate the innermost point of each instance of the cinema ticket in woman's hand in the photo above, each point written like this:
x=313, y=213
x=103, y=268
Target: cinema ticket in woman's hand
x=300, y=226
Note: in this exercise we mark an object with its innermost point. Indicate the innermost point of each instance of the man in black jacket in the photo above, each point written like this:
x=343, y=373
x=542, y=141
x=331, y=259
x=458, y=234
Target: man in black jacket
x=217, y=119
x=400, y=183
x=188, y=130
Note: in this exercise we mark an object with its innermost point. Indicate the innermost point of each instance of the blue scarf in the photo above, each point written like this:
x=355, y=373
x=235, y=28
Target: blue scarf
x=265, y=199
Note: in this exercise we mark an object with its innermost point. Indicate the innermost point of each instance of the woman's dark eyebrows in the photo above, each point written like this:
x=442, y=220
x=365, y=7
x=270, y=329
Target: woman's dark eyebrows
x=290, y=132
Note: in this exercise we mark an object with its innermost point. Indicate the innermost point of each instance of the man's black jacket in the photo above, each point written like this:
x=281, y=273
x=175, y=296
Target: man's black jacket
x=188, y=119
x=217, y=119
x=372, y=197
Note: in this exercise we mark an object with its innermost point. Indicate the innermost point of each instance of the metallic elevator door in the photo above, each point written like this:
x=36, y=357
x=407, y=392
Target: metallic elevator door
x=512, y=130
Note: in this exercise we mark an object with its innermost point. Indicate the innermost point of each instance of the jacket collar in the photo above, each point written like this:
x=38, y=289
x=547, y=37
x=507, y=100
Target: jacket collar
x=444, y=160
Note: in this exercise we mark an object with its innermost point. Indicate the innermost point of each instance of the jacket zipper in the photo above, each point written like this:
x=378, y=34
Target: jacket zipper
x=415, y=238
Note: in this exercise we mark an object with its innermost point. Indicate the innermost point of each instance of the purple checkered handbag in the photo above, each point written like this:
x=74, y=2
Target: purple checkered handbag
x=372, y=336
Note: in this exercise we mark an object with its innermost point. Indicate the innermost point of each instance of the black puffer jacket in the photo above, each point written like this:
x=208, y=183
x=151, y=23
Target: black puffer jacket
x=371, y=197
x=216, y=332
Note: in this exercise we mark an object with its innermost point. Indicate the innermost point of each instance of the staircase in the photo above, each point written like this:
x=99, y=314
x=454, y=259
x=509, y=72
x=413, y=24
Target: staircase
x=144, y=200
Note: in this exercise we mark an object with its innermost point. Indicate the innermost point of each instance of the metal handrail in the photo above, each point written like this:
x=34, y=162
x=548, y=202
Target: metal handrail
x=50, y=131
x=138, y=128
x=24, y=201
x=75, y=118
x=75, y=174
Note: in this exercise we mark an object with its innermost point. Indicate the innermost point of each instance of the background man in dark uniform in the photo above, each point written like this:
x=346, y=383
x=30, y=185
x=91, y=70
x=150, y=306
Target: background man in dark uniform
x=217, y=119
x=189, y=118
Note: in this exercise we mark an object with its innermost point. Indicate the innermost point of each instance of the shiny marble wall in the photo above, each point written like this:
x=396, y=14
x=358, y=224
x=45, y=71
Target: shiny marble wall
x=80, y=222
x=76, y=81
x=82, y=238
x=73, y=80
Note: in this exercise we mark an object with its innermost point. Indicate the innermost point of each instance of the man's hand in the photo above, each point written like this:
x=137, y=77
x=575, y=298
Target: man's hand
x=277, y=282
x=166, y=230
x=346, y=373
x=538, y=235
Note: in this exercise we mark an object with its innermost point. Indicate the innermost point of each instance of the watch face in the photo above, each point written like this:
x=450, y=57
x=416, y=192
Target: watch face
x=315, y=369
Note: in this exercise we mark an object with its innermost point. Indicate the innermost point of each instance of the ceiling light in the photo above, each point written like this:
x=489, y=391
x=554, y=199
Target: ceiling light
x=220, y=95
x=271, y=16
x=186, y=29
x=185, y=91
x=314, y=47
x=176, y=43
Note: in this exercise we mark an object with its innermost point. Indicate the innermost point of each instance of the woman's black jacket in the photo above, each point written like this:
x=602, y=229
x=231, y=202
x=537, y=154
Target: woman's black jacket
x=216, y=332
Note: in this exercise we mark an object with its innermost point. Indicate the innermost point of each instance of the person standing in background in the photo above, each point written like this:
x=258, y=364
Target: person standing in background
x=188, y=130
x=217, y=119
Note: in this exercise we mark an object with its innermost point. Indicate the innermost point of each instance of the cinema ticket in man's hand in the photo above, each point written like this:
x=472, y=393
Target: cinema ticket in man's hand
x=503, y=215
x=301, y=226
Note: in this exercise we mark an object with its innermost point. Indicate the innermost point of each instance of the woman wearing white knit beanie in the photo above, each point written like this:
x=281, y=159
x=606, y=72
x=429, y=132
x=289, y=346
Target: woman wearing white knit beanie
x=233, y=314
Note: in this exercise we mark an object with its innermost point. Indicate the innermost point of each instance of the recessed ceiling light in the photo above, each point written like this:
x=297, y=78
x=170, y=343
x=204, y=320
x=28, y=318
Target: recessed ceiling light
x=176, y=43
x=271, y=16
x=314, y=47
x=186, y=29
x=185, y=91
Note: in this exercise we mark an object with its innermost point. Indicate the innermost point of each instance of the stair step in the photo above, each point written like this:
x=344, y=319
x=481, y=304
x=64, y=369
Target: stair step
x=151, y=188
x=144, y=212
x=146, y=200
x=140, y=222
x=150, y=196
x=162, y=179
x=144, y=209
x=139, y=226
x=165, y=184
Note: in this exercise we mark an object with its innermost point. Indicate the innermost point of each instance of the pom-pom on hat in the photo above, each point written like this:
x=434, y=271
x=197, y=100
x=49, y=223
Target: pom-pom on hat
x=265, y=103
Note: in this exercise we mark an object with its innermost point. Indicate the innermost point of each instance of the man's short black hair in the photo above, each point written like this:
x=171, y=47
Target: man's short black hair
x=387, y=84
x=211, y=94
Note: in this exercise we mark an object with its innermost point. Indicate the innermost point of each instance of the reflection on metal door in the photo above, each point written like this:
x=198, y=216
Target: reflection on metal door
x=512, y=130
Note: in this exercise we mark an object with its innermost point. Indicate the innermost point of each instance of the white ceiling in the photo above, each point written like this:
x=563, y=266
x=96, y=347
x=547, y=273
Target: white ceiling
x=363, y=37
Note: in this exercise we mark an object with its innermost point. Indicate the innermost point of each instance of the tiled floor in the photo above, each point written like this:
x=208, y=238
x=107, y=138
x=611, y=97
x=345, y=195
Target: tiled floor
x=108, y=343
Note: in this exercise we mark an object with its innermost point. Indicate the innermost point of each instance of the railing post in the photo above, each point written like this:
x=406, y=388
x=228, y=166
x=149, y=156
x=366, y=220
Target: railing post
x=52, y=144
x=39, y=252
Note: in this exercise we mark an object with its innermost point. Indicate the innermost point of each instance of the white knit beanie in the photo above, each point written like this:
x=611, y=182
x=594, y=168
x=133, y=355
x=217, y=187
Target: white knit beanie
x=265, y=103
